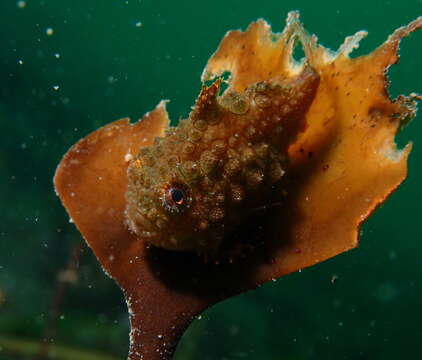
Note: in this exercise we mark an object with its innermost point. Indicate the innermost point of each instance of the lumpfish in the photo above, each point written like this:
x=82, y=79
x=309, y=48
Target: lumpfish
x=203, y=178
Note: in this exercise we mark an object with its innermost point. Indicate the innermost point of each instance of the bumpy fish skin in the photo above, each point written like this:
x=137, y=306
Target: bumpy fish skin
x=199, y=181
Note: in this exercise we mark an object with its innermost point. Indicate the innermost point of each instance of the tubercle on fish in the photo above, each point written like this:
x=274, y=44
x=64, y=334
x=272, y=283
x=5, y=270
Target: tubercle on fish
x=222, y=161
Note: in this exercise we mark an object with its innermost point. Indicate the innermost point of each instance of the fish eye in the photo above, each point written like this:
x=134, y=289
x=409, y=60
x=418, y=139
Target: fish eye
x=175, y=197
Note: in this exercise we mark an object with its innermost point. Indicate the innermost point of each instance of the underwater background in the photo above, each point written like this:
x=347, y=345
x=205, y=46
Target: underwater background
x=70, y=66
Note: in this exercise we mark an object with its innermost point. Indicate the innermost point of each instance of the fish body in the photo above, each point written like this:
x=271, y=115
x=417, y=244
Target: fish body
x=204, y=177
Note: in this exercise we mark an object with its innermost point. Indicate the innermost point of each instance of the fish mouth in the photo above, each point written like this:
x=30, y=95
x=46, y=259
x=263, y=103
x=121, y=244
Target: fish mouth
x=141, y=226
x=145, y=223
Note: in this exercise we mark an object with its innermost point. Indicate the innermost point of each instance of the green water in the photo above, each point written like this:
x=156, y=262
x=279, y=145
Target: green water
x=69, y=66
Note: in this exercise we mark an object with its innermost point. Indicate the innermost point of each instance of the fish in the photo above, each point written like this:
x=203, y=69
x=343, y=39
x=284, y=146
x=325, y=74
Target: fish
x=194, y=185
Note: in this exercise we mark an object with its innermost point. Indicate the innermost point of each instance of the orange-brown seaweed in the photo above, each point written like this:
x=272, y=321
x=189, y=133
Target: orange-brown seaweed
x=339, y=163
